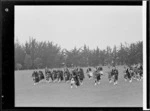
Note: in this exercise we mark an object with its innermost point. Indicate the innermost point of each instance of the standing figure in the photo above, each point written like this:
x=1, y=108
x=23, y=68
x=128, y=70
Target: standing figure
x=81, y=75
x=115, y=74
x=89, y=73
x=75, y=79
x=41, y=75
x=47, y=74
x=110, y=75
x=35, y=77
x=67, y=75
x=128, y=74
x=97, y=74
x=141, y=71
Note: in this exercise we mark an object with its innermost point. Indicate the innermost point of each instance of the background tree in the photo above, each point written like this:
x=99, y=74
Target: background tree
x=28, y=62
x=18, y=66
x=19, y=54
x=102, y=57
x=34, y=54
x=108, y=57
x=85, y=56
x=38, y=63
x=114, y=55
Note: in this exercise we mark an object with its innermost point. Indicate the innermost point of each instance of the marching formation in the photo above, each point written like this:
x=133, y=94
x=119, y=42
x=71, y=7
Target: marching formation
x=76, y=76
x=133, y=72
x=95, y=74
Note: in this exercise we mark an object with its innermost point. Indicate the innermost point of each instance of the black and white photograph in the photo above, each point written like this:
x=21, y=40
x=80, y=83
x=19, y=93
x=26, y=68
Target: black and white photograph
x=78, y=56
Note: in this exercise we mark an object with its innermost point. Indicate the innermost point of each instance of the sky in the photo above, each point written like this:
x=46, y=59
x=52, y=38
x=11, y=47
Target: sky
x=70, y=26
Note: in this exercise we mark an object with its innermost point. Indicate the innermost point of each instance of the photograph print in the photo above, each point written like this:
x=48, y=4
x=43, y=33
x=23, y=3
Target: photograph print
x=78, y=56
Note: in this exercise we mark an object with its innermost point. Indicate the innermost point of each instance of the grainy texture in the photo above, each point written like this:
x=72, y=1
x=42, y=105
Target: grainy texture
x=124, y=94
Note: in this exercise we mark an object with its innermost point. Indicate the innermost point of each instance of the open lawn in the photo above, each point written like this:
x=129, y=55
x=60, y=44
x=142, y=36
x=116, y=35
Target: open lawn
x=124, y=94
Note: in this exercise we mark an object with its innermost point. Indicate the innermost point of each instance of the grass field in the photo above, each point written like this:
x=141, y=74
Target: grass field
x=106, y=94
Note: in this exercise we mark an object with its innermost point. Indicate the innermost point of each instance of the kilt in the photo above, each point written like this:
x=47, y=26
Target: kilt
x=36, y=79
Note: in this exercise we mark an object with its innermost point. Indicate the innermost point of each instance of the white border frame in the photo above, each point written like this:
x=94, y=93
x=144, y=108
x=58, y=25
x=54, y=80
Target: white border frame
x=144, y=6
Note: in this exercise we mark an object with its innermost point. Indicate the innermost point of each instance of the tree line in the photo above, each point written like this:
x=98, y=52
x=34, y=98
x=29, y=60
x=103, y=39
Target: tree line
x=34, y=55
